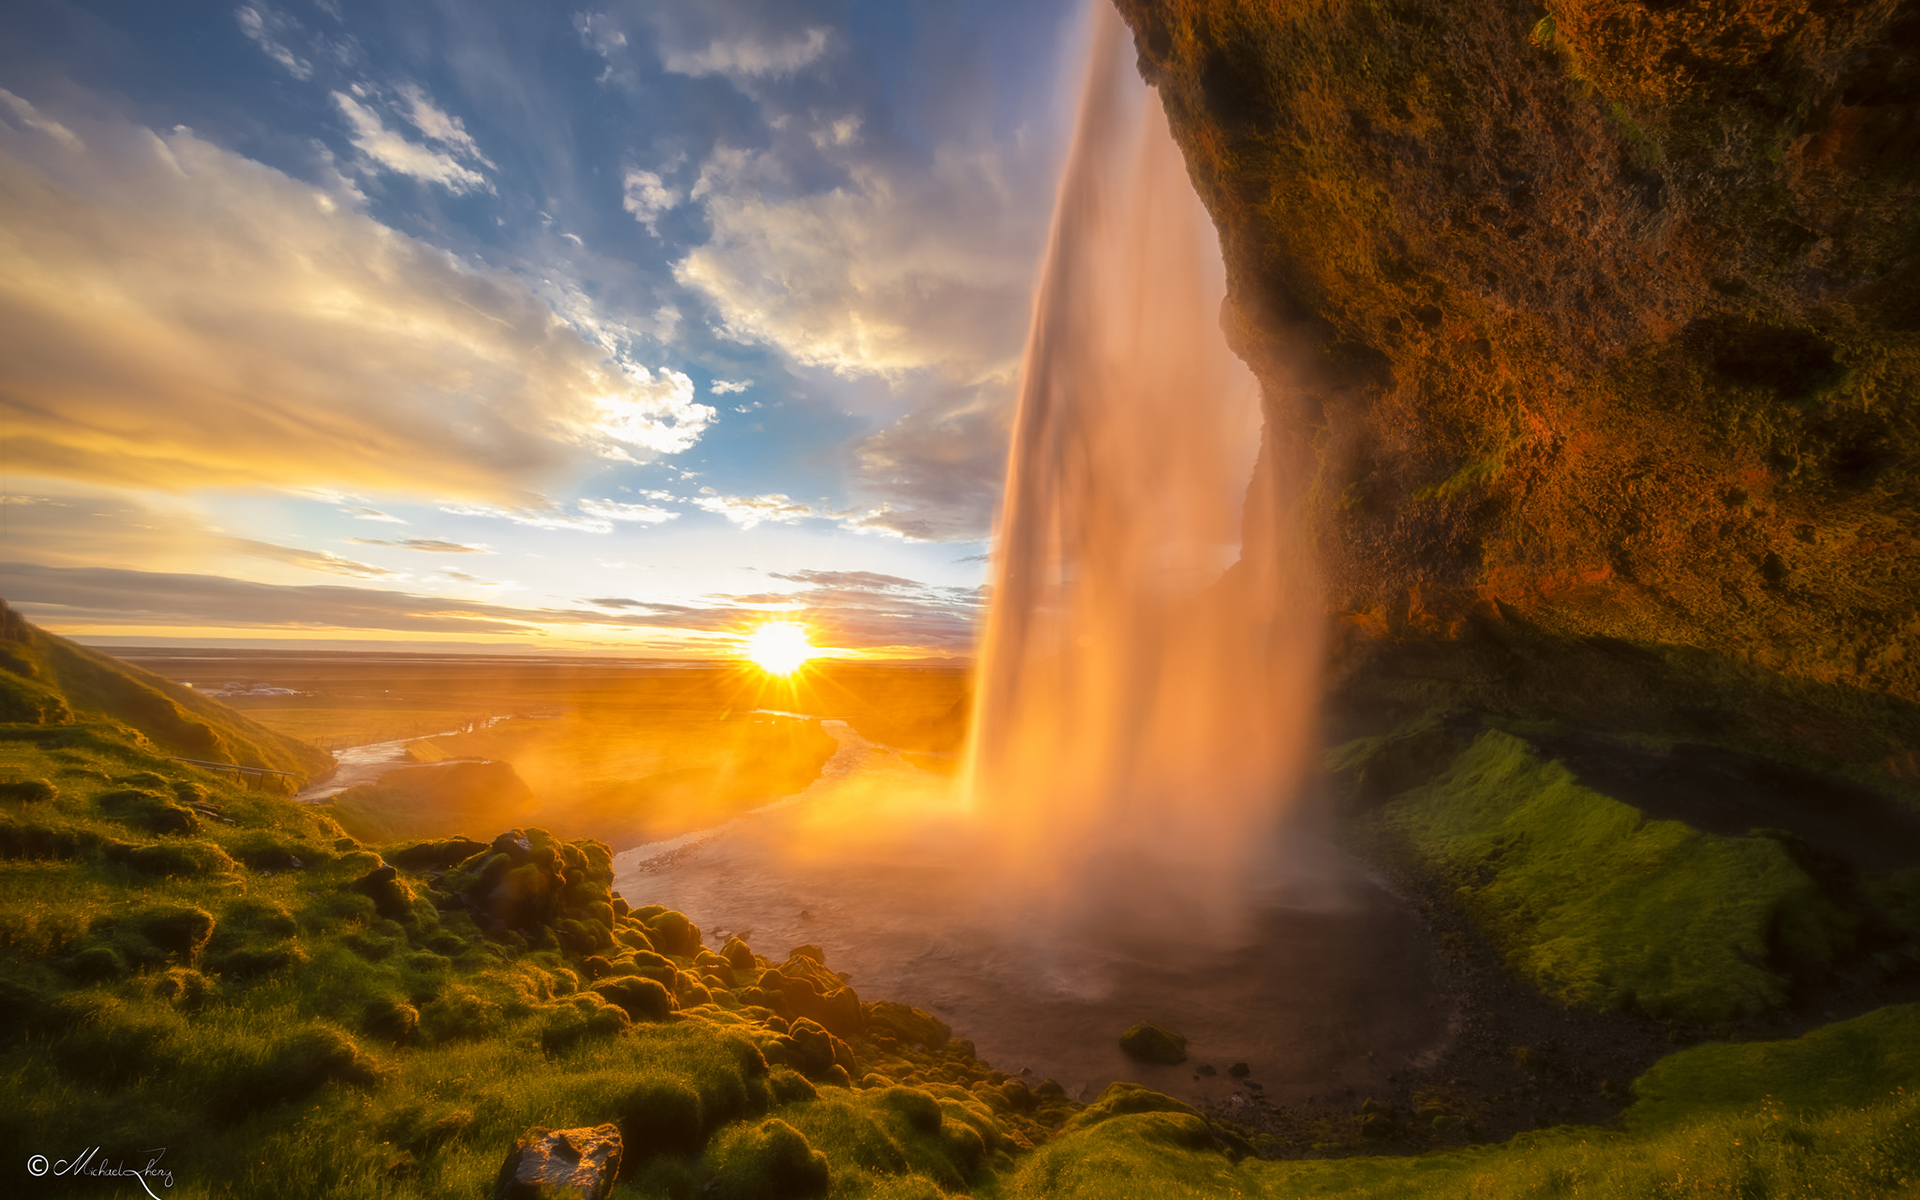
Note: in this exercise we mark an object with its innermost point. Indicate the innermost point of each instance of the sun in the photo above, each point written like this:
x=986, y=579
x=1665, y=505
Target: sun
x=779, y=647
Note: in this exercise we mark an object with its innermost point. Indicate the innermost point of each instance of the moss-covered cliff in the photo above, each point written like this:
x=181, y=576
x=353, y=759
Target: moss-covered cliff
x=1604, y=316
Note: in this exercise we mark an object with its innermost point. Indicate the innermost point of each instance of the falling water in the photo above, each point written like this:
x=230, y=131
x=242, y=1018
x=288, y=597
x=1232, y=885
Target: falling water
x=1144, y=707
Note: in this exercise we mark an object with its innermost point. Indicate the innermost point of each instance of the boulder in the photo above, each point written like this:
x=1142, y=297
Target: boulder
x=1152, y=1043
x=561, y=1164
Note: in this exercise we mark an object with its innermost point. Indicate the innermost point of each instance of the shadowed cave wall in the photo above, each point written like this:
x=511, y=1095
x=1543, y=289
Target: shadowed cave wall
x=1597, y=320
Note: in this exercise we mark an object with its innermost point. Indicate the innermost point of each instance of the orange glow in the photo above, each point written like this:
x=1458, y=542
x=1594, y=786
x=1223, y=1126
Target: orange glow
x=778, y=647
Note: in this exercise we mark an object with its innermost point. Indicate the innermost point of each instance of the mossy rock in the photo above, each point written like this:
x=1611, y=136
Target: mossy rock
x=771, y=1161
x=179, y=930
x=673, y=933
x=663, y=1115
x=738, y=954
x=35, y=840
x=296, y=1064
x=1150, y=1043
x=392, y=1018
x=440, y=854
x=642, y=999
x=27, y=791
x=905, y=1023
x=920, y=1110
x=580, y=1017
x=149, y=811
x=172, y=859
x=1121, y=1099
x=184, y=987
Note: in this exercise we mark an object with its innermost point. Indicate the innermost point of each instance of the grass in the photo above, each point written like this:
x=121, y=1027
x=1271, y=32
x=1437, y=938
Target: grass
x=1593, y=903
x=312, y=1029
x=1835, y=1113
x=289, y=1011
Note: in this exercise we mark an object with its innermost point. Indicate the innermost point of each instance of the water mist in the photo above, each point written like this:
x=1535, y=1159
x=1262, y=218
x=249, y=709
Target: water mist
x=1143, y=712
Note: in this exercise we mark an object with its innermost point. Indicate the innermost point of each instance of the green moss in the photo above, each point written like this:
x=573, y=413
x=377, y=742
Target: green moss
x=1849, y=1065
x=772, y=1161
x=1154, y=1044
x=1600, y=907
x=1831, y=1114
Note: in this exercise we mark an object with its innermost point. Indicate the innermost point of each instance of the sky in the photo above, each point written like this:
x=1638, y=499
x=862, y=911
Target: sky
x=616, y=328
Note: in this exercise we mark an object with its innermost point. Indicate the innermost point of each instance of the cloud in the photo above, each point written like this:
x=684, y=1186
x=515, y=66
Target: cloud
x=653, y=410
x=437, y=125
x=425, y=545
x=868, y=580
x=722, y=387
x=900, y=617
x=360, y=512
x=890, y=272
x=939, y=469
x=750, y=55
x=122, y=597
x=648, y=198
x=265, y=28
x=30, y=116
x=533, y=518
x=749, y=511
x=316, y=560
x=394, y=152
x=613, y=510
x=177, y=316
x=599, y=33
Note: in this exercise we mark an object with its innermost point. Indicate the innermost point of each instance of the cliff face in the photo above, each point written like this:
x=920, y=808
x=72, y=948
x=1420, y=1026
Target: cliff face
x=1604, y=316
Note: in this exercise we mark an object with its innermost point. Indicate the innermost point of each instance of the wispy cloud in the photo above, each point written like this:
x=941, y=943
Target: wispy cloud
x=533, y=518
x=613, y=510
x=361, y=512
x=435, y=124
x=749, y=55
x=316, y=560
x=648, y=198
x=266, y=27
x=749, y=511
x=425, y=545
x=723, y=387
x=179, y=316
x=845, y=611
x=31, y=117
x=397, y=153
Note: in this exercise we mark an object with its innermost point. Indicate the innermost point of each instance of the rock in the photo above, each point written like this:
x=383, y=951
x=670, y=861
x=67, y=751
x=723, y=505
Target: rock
x=391, y=895
x=737, y=953
x=435, y=855
x=1239, y=1070
x=816, y=1051
x=561, y=1164
x=1377, y=1125
x=1152, y=1043
x=907, y=1024
x=643, y=999
x=1207, y=1071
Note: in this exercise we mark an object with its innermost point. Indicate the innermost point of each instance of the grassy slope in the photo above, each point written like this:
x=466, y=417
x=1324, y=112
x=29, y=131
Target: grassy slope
x=1600, y=907
x=239, y=993
x=43, y=677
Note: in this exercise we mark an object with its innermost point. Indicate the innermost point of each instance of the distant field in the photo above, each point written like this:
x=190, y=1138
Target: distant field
x=620, y=750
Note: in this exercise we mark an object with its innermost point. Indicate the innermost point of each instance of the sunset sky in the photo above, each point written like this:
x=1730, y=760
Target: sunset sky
x=603, y=329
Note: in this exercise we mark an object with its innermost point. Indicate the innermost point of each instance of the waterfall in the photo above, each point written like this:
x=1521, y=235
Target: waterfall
x=1144, y=704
